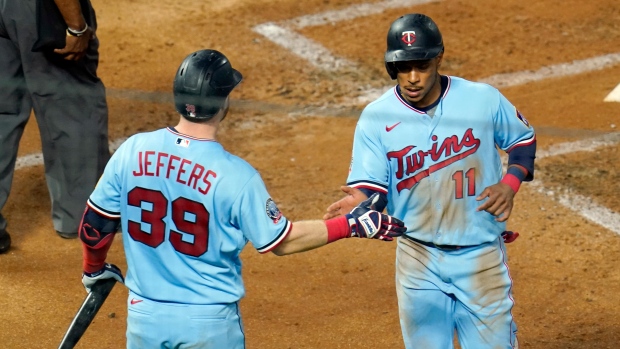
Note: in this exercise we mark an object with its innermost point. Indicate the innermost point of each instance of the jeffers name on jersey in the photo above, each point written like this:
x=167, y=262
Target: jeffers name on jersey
x=158, y=164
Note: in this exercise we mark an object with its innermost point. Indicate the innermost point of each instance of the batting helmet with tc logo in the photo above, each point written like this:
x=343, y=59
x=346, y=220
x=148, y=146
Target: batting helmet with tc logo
x=412, y=37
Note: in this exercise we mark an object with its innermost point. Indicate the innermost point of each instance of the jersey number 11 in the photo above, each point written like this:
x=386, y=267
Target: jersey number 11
x=470, y=177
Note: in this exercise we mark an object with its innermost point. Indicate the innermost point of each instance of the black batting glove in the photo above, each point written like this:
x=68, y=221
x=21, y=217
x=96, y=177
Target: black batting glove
x=365, y=222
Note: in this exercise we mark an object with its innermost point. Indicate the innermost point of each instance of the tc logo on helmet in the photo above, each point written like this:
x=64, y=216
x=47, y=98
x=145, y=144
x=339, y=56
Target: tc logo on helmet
x=191, y=110
x=408, y=37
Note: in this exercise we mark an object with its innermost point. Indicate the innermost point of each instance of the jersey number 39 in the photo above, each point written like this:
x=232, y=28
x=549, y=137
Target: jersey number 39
x=198, y=227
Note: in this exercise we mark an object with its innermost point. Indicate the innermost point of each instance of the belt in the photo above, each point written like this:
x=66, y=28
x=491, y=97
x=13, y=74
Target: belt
x=440, y=247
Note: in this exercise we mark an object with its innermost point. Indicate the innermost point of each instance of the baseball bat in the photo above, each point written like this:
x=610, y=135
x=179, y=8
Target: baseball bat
x=85, y=315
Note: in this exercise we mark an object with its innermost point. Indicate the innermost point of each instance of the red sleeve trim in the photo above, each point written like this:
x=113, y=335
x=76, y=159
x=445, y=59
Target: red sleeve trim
x=102, y=212
x=522, y=144
x=369, y=186
x=287, y=230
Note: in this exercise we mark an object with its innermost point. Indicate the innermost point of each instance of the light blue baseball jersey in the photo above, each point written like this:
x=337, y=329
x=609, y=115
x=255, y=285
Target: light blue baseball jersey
x=433, y=168
x=187, y=208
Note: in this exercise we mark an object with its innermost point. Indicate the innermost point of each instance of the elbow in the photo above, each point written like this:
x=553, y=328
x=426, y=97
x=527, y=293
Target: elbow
x=279, y=251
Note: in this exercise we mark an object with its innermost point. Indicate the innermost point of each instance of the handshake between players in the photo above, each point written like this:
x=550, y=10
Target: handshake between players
x=363, y=222
x=183, y=240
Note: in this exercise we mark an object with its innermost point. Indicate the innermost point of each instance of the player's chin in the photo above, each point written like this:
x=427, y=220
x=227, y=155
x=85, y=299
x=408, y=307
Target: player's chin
x=413, y=100
x=414, y=97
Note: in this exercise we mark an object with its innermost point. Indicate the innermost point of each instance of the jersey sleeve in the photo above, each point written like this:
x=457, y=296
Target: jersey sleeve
x=511, y=128
x=369, y=167
x=258, y=216
x=105, y=199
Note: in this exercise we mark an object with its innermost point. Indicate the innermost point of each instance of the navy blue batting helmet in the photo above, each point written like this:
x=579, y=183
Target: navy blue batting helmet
x=412, y=37
x=202, y=83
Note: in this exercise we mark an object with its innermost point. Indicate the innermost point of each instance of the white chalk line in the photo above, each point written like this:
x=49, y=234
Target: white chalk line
x=284, y=34
x=589, y=144
x=36, y=159
x=348, y=13
x=577, y=203
x=553, y=71
x=303, y=47
x=582, y=205
x=596, y=213
x=523, y=77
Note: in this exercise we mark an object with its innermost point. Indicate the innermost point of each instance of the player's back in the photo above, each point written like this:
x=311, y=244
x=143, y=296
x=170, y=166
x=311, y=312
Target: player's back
x=176, y=200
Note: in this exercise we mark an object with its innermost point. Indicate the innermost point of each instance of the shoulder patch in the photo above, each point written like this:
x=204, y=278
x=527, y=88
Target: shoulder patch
x=272, y=211
x=523, y=119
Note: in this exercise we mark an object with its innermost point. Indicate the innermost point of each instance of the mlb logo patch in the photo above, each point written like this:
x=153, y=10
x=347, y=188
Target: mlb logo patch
x=182, y=142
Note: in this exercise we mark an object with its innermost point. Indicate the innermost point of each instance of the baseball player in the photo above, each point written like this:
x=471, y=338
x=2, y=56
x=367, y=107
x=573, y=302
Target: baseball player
x=428, y=147
x=187, y=208
x=68, y=100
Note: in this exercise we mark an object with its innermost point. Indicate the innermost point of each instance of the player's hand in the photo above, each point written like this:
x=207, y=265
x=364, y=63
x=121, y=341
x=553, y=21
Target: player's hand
x=346, y=204
x=499, y=201
x=76, y=46
x=109, y=271
x=367, y=223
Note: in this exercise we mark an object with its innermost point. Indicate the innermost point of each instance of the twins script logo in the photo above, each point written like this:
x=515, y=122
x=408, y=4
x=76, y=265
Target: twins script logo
x=408, y=37
x=452, y=149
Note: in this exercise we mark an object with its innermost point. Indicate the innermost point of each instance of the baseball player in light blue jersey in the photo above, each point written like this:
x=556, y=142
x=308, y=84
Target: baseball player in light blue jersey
x=187, y=209
x=428, y=147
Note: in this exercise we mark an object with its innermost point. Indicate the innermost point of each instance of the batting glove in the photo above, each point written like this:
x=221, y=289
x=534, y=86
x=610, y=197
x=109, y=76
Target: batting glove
x=509, y=236
x=368, y=223
x=109, y=271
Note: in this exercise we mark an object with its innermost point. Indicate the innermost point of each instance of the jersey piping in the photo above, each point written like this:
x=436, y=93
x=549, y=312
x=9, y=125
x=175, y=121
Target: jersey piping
x=175, y=132
x=522, y=143
x=425, y=109
x=369, y=185
x=102, y=211
x=274, y=243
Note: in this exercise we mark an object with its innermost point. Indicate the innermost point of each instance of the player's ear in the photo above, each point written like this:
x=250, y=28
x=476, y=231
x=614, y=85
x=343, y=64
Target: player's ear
x=439, y=59
x=224, y=110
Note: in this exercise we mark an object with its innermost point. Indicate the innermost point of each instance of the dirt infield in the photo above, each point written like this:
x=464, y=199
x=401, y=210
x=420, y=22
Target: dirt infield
x=294, y=122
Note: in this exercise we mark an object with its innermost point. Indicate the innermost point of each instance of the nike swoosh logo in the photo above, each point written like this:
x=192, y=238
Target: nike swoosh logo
x=135, y=301
x=390, y=128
